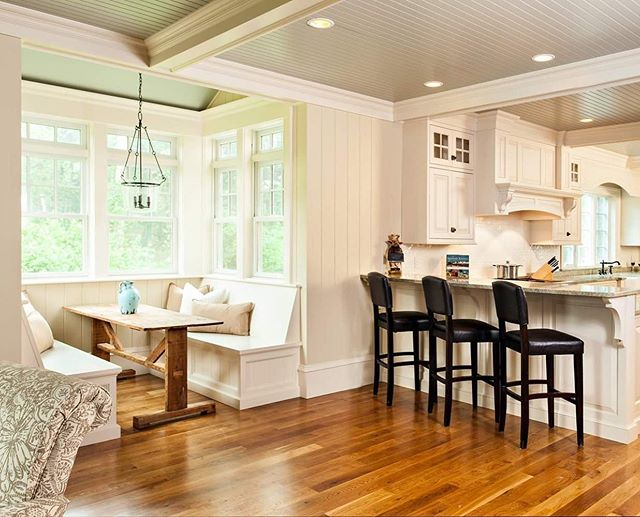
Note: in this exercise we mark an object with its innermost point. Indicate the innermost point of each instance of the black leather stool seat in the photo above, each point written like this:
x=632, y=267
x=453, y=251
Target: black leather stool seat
x=546, y=341
x=468, y=331
x=406, y=320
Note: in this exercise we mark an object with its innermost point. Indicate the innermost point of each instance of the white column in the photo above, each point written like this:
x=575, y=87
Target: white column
x=10, y=274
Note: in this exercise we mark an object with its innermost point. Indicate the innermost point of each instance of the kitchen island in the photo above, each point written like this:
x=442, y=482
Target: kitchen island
x=599, y=310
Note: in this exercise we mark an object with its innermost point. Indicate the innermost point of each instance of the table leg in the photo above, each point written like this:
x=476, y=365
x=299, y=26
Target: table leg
x=175, y=385
x=99, y=336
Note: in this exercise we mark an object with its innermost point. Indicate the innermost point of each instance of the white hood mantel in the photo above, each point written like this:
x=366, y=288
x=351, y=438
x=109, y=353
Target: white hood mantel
x=533, y=203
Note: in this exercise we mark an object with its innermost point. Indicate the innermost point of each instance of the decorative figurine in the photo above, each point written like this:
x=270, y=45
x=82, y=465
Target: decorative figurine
x=393, y=256
x=128, y=297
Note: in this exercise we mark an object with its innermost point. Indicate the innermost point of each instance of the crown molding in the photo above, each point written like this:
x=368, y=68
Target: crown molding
x=600, y=72
x=602, y=135
x=222, y=25
x=46, y=31
x=230, y=76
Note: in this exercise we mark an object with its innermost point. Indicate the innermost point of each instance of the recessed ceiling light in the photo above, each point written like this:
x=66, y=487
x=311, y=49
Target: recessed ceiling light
x=543, y=58
x=433, y=84
x=585, y=120
x=320, y=23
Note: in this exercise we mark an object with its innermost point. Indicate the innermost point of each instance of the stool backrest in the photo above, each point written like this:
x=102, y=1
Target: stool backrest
x=437, y=295
x=511, y=303
x=380, y=290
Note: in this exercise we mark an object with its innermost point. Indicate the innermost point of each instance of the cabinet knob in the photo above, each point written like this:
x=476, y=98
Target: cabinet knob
x=453, y=229
x=568, y=234
x=453, y=157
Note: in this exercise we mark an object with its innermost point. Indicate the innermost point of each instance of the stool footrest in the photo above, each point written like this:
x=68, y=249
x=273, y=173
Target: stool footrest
x=532, y=381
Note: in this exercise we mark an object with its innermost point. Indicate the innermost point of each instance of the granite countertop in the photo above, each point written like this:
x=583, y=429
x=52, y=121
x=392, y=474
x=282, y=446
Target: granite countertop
x=610, y=286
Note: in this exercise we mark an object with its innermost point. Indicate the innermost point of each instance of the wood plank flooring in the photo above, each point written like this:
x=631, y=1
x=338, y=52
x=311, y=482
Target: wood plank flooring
x=346, y=454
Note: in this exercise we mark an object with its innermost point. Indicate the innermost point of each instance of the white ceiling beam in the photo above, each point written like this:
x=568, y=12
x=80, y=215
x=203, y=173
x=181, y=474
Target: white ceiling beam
x=223, y=25
x=49, y=32
x=603, y=135
x=600, y=72
x=235, y=77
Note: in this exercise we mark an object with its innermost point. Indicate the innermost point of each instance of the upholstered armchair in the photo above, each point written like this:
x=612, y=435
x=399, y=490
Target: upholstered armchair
x=43, y=418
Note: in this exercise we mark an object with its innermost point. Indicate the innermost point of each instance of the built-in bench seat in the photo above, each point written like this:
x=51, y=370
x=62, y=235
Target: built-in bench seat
x=249, y=371
x=68, y=360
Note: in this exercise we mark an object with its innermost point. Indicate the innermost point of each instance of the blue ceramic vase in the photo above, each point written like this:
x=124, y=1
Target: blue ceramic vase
x=128, y=297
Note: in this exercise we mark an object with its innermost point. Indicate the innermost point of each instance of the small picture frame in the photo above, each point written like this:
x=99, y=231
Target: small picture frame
x=457, y=267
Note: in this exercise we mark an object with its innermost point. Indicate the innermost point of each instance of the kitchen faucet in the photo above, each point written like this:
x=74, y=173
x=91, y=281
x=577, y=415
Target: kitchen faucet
x=610, y=264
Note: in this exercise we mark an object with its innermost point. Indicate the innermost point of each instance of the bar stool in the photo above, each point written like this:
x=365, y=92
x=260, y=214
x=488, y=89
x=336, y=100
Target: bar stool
x=393, y=321
x=511, y=307
x=439, y=302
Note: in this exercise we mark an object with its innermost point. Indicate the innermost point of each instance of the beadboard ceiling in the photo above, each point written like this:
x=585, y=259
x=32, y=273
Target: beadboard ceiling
x=607, y=106
x=137, y=18
x=389, y=48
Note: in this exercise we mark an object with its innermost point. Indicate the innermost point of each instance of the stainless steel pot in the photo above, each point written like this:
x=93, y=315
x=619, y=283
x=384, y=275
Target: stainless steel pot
x=507, y=271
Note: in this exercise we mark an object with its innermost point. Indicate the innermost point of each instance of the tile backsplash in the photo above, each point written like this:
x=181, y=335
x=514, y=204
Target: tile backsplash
x=500, y=239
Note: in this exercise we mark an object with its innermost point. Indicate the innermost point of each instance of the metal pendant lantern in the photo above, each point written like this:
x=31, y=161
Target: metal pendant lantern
x=133, y=174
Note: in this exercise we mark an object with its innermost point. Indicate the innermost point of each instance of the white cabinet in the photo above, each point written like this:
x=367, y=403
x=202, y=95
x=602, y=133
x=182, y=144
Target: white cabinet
x=530, y=163
x=438, y=202
x=450, y=148
x=450, y=204
x=575, y=173
x=629, y=217
x=559, y=231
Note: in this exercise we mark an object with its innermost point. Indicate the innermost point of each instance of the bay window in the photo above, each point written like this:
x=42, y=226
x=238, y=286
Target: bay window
x=54, y=185
x=249, y=201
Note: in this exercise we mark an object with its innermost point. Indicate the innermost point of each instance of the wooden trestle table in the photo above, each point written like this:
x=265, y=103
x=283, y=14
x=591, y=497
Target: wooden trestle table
x=105, y=342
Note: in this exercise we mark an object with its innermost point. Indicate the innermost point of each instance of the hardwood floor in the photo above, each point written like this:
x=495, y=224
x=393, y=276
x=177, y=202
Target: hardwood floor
x=346, y=454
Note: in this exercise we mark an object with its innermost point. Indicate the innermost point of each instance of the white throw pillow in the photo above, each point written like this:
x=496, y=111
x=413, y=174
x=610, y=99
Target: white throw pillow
x=39, y=327
x=191, y=293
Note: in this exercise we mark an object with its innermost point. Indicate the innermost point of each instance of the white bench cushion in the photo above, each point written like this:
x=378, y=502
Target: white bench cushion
x=238, y=343
x=68, y=360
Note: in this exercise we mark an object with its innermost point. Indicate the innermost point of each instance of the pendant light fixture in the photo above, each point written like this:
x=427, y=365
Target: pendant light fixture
x=133, y=175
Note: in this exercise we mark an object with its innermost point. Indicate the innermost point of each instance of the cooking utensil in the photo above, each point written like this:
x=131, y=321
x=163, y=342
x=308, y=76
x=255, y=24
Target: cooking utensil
x=507, y=271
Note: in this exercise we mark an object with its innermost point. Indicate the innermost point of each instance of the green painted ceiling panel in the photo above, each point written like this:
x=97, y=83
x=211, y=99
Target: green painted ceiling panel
x=43, y=67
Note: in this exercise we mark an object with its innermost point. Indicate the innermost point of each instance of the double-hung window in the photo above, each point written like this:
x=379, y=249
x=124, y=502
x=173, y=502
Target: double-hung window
x=142, y=241
x=54, y=197
x=250, y=201
x=226, y=190
x=598, y=220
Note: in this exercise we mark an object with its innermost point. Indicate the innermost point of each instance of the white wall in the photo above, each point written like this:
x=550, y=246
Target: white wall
x=348, y=202
x=10, y=320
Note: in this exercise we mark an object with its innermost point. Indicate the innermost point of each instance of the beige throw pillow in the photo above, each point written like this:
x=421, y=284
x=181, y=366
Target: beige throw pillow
x=39, y=327
x=236, y=317
x=174, y=296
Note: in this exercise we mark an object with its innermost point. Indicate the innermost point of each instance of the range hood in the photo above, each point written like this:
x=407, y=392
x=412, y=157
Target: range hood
x=533, y=203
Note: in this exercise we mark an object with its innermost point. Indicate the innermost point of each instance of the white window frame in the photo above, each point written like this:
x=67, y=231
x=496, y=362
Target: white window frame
x=118, y=157
x=246, y=163
x=613, y=196
x=60, y=151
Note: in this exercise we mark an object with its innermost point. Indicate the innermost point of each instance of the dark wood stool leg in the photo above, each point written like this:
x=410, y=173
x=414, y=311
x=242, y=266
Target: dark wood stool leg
x=416, y=359
x=390, y=369
x=524, y=402
x=448, y=386
x=433, y=367
x=503, y=387
x=550, y=386
x=376, y=358
x=495, y=352
x=577, y=373
x=474, y=374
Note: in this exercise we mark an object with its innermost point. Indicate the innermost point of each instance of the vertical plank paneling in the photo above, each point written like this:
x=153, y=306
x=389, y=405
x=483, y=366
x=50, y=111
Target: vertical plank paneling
x=327, y=227
x=353, y=199
x=340, y=195
x=53, y=312
x=366, y=262
x=72, y=323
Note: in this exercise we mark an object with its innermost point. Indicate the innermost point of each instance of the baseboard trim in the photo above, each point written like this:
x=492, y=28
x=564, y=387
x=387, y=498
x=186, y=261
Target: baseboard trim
x=333, y=376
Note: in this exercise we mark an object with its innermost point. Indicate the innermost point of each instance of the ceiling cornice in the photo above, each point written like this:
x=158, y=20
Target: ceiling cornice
x=603, y=135
x=600, y=72
x=231, y=76
x=42, y=30
x=222, y=25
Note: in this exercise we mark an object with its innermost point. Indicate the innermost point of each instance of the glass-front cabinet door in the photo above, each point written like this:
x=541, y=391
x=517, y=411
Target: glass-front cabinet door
x=450, y=148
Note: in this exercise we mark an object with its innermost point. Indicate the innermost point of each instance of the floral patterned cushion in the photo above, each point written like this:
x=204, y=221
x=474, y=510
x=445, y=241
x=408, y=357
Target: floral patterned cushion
x=44, y=417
